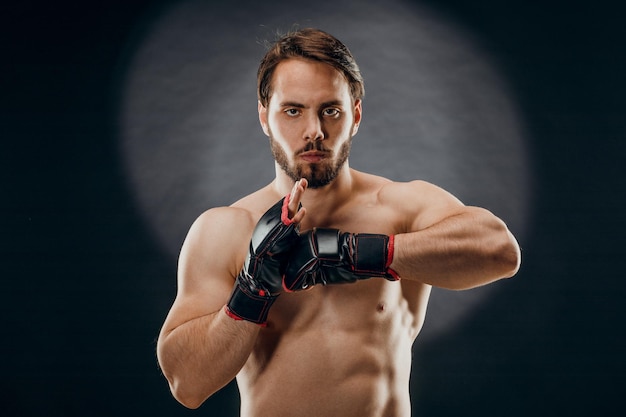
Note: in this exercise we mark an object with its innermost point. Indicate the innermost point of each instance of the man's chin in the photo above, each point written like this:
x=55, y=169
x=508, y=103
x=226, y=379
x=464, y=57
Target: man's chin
x=318, y=175
x=317, y=184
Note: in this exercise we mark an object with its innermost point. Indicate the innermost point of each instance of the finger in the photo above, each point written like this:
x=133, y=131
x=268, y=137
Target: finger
x=296, y=196
x=299, y=215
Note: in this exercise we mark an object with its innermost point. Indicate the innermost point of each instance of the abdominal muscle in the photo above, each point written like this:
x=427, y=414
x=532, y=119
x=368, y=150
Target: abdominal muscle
x=342, y=350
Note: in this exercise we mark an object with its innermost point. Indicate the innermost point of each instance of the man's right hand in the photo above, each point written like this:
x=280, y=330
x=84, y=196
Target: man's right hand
x=260, y=281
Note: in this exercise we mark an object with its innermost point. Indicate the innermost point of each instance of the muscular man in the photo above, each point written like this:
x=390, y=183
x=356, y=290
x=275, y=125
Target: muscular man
x=312, y=290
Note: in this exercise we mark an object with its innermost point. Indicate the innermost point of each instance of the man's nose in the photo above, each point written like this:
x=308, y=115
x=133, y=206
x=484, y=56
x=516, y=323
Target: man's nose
x=314, y=130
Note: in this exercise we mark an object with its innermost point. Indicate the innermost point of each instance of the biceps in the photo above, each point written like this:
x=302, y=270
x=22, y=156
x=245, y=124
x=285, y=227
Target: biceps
x=211, y=256
x=436, y=210
x=422, y=204
x=205, y=283
x=198, y=301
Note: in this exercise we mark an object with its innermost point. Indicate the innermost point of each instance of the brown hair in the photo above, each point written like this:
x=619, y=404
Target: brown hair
x=312, y=44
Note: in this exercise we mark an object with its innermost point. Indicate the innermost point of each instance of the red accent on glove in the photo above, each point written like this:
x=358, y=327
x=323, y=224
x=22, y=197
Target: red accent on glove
x=390, y=251
x=235, y=317
x=284, y=215
x=231, y=314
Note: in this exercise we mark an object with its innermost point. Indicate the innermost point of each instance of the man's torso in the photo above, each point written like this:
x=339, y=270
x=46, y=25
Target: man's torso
x=339, y=350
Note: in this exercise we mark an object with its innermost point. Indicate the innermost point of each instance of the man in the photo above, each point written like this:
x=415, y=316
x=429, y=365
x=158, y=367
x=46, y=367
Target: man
x=312, y=290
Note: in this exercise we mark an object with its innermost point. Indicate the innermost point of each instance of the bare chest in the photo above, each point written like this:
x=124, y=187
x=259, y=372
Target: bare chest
x=356, y=218
x=347, y=342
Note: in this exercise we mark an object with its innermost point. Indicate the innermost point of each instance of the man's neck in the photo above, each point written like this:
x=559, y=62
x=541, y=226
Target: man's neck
x=320, y=199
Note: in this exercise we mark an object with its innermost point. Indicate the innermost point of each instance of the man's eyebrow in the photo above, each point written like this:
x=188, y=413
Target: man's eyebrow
x=292, y=104
x=330, y=103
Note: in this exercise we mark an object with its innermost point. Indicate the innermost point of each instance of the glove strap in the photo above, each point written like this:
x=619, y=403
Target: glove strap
x=373, y=253
x=246, y=305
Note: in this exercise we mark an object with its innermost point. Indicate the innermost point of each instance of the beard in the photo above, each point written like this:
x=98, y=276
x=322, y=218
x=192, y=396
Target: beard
x=317, y=174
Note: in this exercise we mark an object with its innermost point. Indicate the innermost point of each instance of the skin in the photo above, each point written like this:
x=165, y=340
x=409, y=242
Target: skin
x=339, y=350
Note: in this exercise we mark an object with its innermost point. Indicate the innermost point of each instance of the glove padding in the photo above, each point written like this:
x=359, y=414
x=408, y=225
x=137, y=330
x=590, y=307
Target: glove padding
x=328, y=256
x=260, y=281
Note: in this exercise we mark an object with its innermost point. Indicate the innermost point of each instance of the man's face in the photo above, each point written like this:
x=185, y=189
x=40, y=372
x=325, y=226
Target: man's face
x=310, y=120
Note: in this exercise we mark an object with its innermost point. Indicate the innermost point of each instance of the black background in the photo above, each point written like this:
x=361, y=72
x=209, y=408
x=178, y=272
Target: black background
x=85, y=289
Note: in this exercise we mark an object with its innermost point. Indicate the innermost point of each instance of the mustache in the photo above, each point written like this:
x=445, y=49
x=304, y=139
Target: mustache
x=316, y=146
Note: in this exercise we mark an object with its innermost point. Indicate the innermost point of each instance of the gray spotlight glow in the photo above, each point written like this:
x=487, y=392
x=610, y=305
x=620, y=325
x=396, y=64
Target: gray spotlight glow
x=435, y=109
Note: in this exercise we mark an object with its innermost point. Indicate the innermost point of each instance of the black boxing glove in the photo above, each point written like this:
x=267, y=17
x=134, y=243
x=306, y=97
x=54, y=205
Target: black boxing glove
x=328, y=256
x=260, y=281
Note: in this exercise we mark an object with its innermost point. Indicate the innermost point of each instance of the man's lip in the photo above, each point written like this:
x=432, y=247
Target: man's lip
x=314, y=156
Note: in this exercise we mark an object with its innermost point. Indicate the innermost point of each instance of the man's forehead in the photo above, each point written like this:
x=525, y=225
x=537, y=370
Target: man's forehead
x=296, y=80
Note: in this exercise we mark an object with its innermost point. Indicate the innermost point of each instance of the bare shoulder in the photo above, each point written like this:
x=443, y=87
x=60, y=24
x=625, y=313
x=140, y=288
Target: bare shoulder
x=219, y=226
x=416, y=190
x=217, y=242
x=388, y=190
x=422, y=202
x=214, y=248
x=238, y=219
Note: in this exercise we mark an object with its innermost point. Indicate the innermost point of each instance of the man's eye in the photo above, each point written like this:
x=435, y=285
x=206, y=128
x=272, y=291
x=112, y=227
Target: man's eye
x=292, y=112
x=331, y=112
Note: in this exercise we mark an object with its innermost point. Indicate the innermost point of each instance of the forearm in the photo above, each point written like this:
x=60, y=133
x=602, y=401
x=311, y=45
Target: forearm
x=460, y=252
x=201, y=356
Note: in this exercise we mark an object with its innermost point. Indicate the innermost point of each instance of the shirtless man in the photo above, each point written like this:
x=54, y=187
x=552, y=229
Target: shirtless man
x=277, y=291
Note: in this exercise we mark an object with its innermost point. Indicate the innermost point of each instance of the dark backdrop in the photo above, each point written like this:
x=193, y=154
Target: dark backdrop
x=85, y=288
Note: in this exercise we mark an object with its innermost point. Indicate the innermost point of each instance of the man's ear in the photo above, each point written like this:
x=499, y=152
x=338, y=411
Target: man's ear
x=263, y=118
x=358, y=112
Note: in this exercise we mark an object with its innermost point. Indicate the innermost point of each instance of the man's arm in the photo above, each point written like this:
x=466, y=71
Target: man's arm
x=213, y=324
x=451, y=245
x=200, y=349
x=438, y=241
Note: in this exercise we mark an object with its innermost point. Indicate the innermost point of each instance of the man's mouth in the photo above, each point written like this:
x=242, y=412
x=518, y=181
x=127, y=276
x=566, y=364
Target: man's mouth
x=313, y=156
